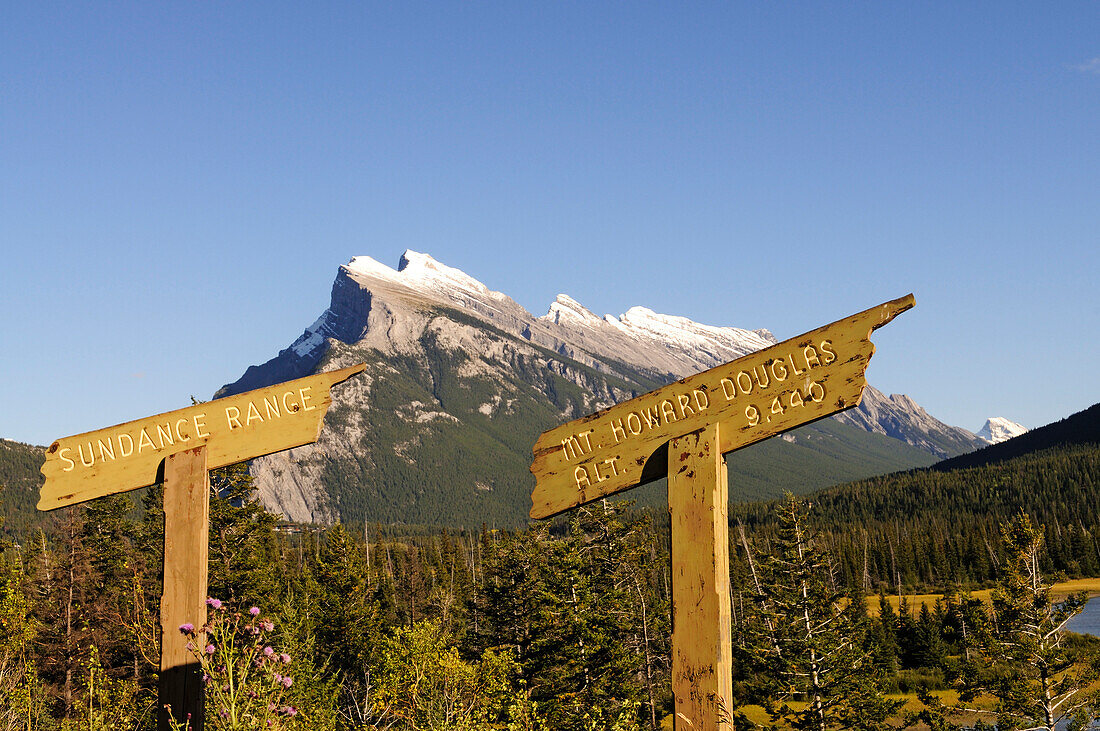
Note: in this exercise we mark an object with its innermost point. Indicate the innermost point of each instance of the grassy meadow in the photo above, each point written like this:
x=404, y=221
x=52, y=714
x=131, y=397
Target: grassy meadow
x=1061, y=589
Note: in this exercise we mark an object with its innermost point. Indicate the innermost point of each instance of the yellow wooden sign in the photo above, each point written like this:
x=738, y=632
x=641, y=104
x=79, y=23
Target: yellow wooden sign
x=752, y=398
x=233, y=429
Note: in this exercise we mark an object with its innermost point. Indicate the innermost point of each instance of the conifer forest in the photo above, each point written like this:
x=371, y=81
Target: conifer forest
x=915, y=600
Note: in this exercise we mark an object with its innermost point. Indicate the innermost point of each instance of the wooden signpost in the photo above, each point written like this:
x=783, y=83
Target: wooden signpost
x=180, y=447
x=682, y=431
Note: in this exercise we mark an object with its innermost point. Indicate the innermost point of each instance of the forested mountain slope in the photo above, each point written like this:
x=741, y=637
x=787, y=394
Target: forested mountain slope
x=19, y=483
x=937, y=527
x=1080, y=428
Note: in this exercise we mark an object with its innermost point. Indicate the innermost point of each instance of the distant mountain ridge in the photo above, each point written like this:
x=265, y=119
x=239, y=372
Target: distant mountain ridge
x=461, y=379
x=1082, y=428
x=939, y=527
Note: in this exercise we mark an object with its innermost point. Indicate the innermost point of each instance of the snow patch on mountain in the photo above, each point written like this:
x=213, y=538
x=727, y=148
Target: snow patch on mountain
x=568, y=309
x=998, y=429
x=308, y=343
x=420, y=271
x=680, y=332
x=663, y=345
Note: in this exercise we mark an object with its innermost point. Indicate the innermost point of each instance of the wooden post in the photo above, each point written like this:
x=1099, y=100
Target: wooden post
x=702, y=656
x=682, y=430
x=220, y=432
x=186, y=520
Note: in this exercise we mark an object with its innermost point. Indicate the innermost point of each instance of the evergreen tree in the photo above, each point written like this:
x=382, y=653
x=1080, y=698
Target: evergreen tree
x=243, y=549
x=602, y=615
x=1040, y=683
x=105, y=534
x=348, y=623
x=517, y=610
x=1020, y=656
x=929, y=650
x=883, y=637
x=809, y=647
x=63, y=609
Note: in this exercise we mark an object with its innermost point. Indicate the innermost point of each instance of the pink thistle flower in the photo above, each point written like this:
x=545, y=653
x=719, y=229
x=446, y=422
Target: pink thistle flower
x=215, y=603
x=267, y=626
x=187, y=628
x=209, y=649
x=268, y=651
x=285, y=658
x=254, y=611
x=287, y=681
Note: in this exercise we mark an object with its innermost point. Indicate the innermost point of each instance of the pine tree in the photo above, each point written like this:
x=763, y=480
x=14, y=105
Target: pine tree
x=928, y=646
x=243, y=551
x=516, y=609
x=809, y=646
x=348, y=624
x=1018, y=654
x=106, y=533
x=62, y=611
x=1040, y=682
x=597, y=576
x=883, y=638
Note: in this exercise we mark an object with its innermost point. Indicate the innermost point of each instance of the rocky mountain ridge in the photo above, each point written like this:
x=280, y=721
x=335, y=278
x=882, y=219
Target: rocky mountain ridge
x=461, y=379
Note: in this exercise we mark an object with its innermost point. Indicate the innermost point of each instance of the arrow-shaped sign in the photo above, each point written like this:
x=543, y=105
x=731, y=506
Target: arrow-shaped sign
x=752, y=398
x=233, y=429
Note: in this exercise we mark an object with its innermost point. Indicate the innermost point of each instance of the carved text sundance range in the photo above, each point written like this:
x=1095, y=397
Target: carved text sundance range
x=177, y=432
x=230, y=429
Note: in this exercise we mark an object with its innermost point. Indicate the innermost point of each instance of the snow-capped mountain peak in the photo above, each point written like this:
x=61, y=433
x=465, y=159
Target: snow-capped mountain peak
x=565, y=308
x=522, y=370
x=422, y=272
x=424, y=269
x=998, y=429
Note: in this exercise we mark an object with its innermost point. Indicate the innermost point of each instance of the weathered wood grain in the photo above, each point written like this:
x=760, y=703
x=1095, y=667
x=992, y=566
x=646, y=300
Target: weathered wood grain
x=183, y=600
x=702, y=659
x=233, y=429
x=760, y=395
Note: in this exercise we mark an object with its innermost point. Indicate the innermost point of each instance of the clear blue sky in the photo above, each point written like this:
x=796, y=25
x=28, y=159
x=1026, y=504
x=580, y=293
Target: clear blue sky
x=179, y=182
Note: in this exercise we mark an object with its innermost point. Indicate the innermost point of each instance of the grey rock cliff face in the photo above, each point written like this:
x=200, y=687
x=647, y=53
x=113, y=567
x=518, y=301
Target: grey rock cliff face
x=900, y=417
x=447, y=357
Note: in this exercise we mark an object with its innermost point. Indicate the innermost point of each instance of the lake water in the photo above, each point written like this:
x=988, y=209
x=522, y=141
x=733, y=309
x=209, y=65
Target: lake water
x=1088, y=621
